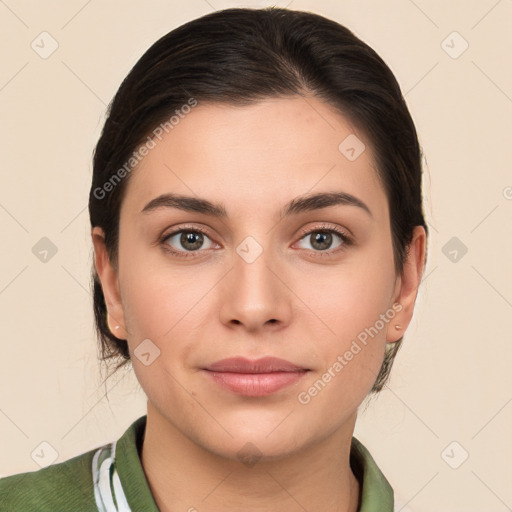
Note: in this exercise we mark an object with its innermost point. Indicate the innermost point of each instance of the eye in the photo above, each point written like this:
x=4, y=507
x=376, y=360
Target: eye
x=186, y=240
x=321, y=239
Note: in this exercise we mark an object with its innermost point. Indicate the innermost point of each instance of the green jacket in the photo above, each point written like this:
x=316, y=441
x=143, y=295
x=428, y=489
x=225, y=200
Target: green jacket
x=121, y=484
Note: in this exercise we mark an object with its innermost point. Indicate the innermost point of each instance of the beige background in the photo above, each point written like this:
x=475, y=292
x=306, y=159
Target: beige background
x=452, y=380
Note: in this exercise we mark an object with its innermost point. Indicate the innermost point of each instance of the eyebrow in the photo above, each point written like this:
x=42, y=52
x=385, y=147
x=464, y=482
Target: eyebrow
x=297, y=205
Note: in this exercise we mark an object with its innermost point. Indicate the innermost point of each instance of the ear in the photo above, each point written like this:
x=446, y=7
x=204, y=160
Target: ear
x=407, y=285
x=109, y=283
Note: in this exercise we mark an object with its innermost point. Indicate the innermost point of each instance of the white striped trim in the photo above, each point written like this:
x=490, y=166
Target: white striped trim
x=106, y=481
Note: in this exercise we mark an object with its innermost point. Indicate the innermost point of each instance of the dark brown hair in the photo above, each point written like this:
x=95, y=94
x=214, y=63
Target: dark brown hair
x=239, y=56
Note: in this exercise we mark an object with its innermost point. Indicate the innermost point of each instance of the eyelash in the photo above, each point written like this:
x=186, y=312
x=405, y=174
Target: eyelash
x=346, y=239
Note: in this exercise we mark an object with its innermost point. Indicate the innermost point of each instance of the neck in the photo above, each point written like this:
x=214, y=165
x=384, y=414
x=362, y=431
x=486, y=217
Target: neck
x=184, y=476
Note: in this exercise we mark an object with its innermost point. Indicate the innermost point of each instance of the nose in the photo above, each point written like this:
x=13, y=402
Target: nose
x=254, y=295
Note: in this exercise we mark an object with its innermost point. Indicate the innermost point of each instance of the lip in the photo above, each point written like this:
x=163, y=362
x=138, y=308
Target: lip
x=263, y=365
x=258, y=377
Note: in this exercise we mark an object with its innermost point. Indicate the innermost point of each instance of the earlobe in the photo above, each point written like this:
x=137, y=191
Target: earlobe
x=109, y=284
x=407, y=285
x=115, y=328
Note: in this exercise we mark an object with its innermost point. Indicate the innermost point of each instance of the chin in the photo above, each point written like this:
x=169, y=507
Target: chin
x=250, y=450
x=255, y=441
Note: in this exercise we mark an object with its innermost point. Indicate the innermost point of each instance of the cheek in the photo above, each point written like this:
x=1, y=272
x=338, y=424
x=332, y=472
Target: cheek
x=161, y=306
x=157, y=303
x=350, y=297
x=351, y=350
x=167, y=304
x=351, y=309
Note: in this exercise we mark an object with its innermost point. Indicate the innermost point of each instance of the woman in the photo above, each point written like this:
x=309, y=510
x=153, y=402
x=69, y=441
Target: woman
x=259, y=240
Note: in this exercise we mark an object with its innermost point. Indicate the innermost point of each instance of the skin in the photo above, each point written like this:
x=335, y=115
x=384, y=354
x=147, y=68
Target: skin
x=215, y=304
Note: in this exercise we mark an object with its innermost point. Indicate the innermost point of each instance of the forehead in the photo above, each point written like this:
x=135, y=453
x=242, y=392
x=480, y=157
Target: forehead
x=254, y=155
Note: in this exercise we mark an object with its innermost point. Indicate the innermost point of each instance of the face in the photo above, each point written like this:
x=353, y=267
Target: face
x=312, y=283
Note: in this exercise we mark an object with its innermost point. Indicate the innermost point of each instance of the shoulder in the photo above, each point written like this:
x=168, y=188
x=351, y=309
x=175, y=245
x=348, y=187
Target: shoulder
x=63, y=486
x=376, y=492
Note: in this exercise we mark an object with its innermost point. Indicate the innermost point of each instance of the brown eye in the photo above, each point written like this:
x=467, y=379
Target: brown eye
x=183, y=241
x=322, y=240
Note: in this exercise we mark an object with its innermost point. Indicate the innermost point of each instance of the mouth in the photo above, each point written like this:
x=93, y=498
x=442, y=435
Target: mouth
x=255, y=378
